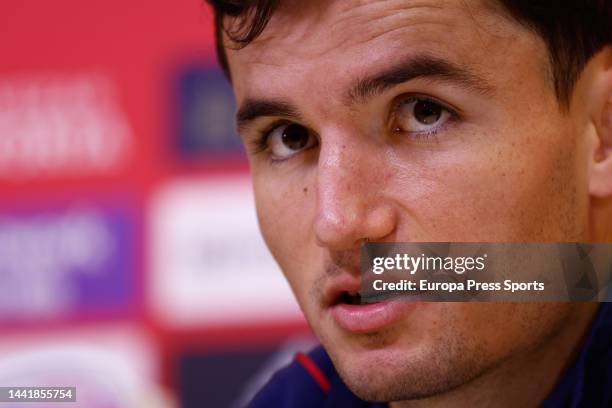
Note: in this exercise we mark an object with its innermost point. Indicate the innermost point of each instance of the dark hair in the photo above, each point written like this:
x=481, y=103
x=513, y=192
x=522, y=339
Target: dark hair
x=573, y=30
x=251, y=17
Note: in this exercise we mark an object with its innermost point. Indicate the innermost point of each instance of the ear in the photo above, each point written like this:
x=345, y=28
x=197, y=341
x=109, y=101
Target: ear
x=600, y=182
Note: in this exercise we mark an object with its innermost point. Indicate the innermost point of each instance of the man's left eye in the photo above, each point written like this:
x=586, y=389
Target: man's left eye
x=418, y=115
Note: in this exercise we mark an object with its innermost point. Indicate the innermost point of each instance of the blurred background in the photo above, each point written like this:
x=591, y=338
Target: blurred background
x=131, y=264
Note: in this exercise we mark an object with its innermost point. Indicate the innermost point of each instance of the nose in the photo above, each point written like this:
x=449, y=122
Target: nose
x=351, y=203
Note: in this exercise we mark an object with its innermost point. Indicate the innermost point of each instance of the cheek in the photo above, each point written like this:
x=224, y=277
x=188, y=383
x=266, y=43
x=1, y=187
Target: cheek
x=515, y=185
x=524, y=324
x=285, y=211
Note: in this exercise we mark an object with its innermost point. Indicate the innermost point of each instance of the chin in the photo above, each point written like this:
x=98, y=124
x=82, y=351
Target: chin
x=376, y=376
x=390, y=372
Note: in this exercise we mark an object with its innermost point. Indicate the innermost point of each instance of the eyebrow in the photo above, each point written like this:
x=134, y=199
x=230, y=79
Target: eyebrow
x=421, y=66
x=253, y=109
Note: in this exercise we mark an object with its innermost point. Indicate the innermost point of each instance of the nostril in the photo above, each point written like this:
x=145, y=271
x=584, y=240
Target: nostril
x=344, y=219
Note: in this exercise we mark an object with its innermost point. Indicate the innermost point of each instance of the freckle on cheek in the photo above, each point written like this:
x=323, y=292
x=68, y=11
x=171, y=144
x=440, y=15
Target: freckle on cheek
x=305, y=190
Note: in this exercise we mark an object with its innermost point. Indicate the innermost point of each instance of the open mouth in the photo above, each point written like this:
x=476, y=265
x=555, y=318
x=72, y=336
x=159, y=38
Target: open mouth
x=350, y=298
x=354, y=312
x=355, y=298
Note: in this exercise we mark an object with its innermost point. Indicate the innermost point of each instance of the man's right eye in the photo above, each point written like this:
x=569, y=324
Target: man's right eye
x=286, y=140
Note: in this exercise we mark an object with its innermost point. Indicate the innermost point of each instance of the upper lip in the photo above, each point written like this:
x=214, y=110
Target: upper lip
x=343, y=283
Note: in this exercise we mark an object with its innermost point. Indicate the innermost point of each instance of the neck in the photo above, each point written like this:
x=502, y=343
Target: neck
x=523, y=380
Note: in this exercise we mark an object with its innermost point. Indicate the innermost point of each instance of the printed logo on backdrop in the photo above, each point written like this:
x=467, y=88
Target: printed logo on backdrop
x=111, y=367
x=209, y=263
x=205, y=117
x=65, y=263
x=61, y=126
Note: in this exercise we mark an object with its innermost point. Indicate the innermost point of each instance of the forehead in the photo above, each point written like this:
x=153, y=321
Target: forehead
x=325, y=44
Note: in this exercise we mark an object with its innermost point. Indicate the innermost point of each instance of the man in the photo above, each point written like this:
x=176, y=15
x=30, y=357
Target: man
x=423, y=120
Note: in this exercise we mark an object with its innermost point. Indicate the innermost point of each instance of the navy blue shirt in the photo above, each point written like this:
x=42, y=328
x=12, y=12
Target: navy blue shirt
x=312, y=381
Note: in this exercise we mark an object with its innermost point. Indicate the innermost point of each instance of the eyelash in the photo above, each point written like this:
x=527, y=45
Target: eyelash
x=426, y=135
x=259, y=144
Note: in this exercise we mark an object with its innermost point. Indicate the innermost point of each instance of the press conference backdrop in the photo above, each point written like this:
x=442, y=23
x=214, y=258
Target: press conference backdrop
x=131, y=264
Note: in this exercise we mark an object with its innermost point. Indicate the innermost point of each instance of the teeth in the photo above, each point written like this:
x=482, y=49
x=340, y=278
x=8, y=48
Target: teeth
x=353, y=293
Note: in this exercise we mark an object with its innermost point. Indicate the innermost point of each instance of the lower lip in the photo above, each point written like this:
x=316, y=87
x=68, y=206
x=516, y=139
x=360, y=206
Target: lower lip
x=371, y=317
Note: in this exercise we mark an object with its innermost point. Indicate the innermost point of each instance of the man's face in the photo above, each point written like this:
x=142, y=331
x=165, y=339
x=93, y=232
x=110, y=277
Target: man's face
x=407, y=121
